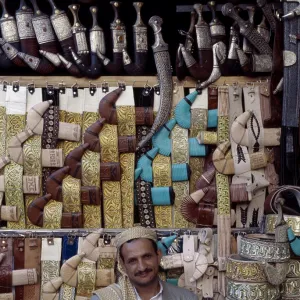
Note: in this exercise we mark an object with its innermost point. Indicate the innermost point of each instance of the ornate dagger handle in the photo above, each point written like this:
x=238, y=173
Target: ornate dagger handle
x=55, y=10
x=138, y=7
x=94, y=12
x=74, y=8
x=266, y=8
x=78, y=31
x=118, y=30
x=5, y=13
x=159, y=44
x=202, y=30
x=139, y=30
x=212, y=6
x=97, y=40
x=229, y=11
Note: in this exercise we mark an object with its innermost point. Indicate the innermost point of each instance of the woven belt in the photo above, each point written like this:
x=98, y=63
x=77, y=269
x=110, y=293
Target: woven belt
x=264, y=247
x=33, y=260
x=50, y=259
x=15, y=110
x=6, y=267
x=19, y=256
x=180, y=154
x=252, y=291
x=162, y=177
x=53, y=211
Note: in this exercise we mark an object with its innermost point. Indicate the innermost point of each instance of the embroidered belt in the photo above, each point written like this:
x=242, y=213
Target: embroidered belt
x=180, y=155
x=50, y=259
x=143, y=188
x=162, y=177
x=6, y=267
x=242, y=269
x=223, y=191
x=53, y=215
x=199, y=116
x=127, y=127
x=90, y=162
x=2, y=123
x=264, y=247
x=293, y=269
x=291, y=288
x=33, y=248
x=292, y=221
x=107, y=253
x=15, y=110
x=252, y=291
x=71, y=194
x=32, y=167
x=112, y=201
x=19, y=247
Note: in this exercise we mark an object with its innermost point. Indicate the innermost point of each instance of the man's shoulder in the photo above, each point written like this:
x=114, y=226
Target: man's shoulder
x=178, y=292
x=110, y=292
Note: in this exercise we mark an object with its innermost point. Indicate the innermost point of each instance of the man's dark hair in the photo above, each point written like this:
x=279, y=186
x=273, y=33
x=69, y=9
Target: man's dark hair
x=155, y=248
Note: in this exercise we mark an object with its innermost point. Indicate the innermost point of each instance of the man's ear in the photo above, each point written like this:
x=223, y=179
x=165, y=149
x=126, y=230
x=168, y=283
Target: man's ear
x=160, y=255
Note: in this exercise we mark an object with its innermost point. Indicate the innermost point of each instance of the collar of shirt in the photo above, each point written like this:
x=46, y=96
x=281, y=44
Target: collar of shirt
x=156, y=297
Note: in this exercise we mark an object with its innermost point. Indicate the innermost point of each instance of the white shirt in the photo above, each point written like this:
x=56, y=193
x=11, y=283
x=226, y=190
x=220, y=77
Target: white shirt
x=156, y=297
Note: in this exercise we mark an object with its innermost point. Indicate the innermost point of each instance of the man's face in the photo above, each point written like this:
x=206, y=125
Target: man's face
x=141, y=262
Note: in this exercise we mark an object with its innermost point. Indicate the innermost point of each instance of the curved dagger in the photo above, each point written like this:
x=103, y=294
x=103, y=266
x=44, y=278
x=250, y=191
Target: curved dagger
x=164, y=71
x=247, y=30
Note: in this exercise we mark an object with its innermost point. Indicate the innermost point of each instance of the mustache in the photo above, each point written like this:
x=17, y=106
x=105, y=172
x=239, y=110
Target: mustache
x=147, y=270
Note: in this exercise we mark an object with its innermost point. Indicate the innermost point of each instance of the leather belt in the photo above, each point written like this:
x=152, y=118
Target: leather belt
x=290, y=111
x=90, y=161
x=238, y=290
x=143, y=188
x=256, y=144
x=15, y=110
x=33, y=260
x=69, y=249
x=19, y=263
x=6, y=267
x=162, y=177
x=50, y=130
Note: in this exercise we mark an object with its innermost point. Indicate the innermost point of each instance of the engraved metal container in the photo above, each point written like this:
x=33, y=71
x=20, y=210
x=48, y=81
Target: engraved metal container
x=202, y=30
x=139, y=30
